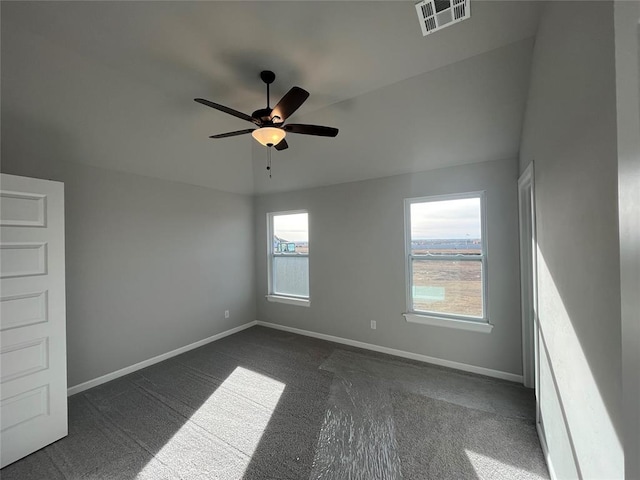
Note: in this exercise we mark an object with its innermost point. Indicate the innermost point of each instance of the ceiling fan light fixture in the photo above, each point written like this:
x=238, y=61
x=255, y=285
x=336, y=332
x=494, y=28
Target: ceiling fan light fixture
x=268, y=136
x=271, y=121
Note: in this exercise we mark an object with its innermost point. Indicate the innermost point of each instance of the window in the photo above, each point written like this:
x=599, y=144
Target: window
x=288, y=257
x=446, y=261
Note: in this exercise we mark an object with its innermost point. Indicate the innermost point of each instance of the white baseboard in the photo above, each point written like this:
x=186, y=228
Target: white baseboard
x=400, y=353
x=345, y=341
x=132, y=368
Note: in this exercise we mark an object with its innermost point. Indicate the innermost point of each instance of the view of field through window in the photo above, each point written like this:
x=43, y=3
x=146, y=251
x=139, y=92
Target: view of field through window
x=439, y=283
x=290, y=254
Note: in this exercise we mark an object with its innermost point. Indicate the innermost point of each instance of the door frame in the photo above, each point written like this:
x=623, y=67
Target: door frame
x=528, y=278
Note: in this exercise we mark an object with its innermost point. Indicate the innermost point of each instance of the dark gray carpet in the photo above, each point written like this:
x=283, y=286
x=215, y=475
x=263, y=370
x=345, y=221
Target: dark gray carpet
x=265, y=404
x=463, y=442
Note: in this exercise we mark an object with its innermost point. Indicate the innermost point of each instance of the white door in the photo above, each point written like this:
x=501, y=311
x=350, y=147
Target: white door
x=33, y=359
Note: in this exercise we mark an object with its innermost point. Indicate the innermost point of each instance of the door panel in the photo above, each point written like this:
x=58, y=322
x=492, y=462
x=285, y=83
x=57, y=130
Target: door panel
x=33, y=368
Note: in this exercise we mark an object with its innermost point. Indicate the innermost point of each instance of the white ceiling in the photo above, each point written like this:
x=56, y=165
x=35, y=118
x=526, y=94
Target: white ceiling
x=111, y=84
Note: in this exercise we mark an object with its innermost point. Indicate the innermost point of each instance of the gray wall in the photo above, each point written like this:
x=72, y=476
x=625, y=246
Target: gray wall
x=570, y=134
x=151, y=264
x=357, y=264
x=627, y=15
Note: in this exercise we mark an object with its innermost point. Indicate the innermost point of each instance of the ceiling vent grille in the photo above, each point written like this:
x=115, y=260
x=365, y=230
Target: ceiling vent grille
x=435, y=15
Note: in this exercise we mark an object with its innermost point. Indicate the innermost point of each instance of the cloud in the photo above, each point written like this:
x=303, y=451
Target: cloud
x=446, y=219
x=293, y=227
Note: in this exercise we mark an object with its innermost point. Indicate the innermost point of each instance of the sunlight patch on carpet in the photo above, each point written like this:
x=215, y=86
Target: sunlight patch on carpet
x=242, y=405
x=487, y=467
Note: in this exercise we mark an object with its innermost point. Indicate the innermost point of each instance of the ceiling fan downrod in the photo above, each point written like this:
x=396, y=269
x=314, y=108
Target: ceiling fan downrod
x=268, y=77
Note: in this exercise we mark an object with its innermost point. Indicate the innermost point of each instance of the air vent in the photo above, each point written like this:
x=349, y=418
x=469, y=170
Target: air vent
x=435, y=15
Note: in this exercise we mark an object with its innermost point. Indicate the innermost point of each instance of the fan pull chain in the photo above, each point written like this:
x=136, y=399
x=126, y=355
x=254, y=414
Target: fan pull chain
x=269, y=161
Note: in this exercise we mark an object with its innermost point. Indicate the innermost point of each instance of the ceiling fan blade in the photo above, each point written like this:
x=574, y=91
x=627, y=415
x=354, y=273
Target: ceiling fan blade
x=311, y=130
x=228, y=110
x=283, y=145
x=232, y=134
x=289, y=104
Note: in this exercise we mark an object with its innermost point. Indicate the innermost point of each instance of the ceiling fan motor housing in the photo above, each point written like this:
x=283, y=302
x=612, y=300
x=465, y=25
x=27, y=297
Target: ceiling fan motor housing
x=263, y=114
x=267, y=76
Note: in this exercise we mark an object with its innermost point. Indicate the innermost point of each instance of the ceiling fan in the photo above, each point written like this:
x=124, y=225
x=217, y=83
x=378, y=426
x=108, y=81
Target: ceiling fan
x=270, y=121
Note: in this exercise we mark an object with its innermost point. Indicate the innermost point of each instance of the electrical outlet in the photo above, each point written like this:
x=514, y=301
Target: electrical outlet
x=226, y=314
x=373, y=324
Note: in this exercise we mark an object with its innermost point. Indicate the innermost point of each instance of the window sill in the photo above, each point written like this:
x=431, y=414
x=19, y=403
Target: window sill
x=301, y=302
x=448, y=322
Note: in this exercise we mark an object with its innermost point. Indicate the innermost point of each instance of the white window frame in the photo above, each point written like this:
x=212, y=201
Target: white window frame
x=458, y=321
x=271, y=295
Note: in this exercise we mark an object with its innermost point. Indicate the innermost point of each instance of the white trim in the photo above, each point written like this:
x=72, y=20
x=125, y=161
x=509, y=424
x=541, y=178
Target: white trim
x=470, y=325
x=289, y=212
x=270, y=254
x=528, y=275
x=400, y=353
x=151, y=361
x=409, y=257
x=446, y=196
x=545, y=452
x=301, y=302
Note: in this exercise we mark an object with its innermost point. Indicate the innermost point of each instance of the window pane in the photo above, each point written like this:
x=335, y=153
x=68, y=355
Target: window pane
x=291, y=233
x=450, y=287
x=291, y=276
x=446, y=227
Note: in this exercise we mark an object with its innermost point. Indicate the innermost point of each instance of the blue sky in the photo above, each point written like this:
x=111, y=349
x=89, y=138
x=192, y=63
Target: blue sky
x=446, y=219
